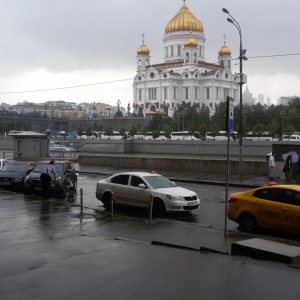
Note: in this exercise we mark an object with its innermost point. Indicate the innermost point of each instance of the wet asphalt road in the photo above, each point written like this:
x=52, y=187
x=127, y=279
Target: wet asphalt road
x=49, y=252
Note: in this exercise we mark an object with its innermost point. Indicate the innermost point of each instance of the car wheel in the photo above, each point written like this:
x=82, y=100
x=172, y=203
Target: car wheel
x=106, y=200
x=159, y=208
x=247, y=222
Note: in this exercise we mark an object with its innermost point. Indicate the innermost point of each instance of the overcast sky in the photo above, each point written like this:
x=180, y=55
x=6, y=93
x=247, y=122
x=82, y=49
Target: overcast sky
x=49, y=44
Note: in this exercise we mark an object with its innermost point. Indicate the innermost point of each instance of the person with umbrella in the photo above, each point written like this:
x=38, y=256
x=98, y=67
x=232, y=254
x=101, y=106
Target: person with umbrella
x=288, y=168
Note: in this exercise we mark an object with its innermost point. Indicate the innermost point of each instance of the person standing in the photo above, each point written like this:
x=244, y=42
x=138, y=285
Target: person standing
x=47, y=175
x=288, y=168
x=272, y=165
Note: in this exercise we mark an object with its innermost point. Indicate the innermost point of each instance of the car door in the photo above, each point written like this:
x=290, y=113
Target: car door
x=269, y=209
x=138, y=196
x=119, y=187
x=291, y=211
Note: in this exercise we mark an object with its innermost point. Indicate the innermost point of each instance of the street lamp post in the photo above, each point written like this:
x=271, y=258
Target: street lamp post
x=282, y=123
x=241, y=76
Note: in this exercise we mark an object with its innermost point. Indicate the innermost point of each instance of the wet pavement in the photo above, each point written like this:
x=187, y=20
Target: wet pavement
x=49, y=250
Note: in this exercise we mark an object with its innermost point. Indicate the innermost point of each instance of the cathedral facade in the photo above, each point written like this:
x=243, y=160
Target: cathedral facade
x=184, y=76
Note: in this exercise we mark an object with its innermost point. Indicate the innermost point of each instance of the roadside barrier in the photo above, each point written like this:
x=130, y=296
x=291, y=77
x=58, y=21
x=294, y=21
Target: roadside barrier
x=112, y=206
x=151, y=209
x=81, y=202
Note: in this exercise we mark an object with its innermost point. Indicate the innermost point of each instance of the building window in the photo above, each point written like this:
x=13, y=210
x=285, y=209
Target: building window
x=152, y=94
x=174, y=90
x=186, y=76
x=195, y=58
x=226, y=75
x=186, y=93
x=140, y=94
x=152, y=75
x=172, y=51
x=200, y=51
x=179, y=50
x=165, y=93
x=140, y=63
x=207, y=93
x=196, y=93
x=187, y=58
x=226, y=92
x=217, y=93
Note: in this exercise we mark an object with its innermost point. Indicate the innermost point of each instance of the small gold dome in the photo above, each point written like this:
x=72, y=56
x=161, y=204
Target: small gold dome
x=224, y=50
x=143, y=50
x=107, y=107
x=190, y=42
x=184, y=20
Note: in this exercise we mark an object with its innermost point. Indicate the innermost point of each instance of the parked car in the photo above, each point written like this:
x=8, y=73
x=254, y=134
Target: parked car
x=3, y=162
x=276, y=207
x=136, y=188
x=64, y=169
x=13, y=174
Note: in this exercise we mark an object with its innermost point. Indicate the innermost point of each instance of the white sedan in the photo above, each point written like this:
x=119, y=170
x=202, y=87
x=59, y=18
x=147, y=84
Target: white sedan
x=139, y=188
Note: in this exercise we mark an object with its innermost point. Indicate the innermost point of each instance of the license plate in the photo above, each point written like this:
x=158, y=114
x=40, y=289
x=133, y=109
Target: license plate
x=4, y=183
x=192, y=203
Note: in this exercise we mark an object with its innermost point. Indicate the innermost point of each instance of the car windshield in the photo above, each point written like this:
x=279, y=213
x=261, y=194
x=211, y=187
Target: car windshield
x=40, y=167
x=14, y=167
x=158, y=182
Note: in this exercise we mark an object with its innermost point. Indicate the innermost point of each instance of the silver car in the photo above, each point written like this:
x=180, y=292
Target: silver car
x=139, y=188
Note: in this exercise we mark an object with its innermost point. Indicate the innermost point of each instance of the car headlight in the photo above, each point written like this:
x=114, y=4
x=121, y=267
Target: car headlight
x=174, y=198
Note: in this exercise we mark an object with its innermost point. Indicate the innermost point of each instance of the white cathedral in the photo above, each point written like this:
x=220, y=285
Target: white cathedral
x=184, y=76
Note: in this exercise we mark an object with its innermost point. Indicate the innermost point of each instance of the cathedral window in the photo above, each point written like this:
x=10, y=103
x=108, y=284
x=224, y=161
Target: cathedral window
x=172, y=51
x=222, y=63
x=200, y=51
x=152, y=93
x=174, y=90
x=187, y=58
x=186, y=76
x=140, y=63
x=140, y=94
x=147, y=62
x=165, y=93
x=217, y=93
x=179, y=50
x=207, y=93
x=196, y=93
x=152, y=75
x=195, y=57
x=186, y=93
x=226, y=75
x=226, y=92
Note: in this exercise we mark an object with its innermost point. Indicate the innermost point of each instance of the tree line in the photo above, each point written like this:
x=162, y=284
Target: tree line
x=278, y=120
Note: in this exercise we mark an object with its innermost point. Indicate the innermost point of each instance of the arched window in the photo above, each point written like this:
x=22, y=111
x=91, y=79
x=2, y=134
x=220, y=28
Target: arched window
x=140, y=63
x=187, y=57
x=195, y=57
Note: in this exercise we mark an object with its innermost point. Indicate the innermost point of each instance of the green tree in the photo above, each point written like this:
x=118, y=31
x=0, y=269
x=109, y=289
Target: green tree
x=133, y=131
x=122, y=131
x=109, y=131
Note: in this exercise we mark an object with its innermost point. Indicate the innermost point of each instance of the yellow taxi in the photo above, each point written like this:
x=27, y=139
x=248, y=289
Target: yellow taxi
x=276, y=207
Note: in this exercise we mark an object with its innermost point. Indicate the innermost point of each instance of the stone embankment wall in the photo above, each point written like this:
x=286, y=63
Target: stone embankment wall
x=177, y=155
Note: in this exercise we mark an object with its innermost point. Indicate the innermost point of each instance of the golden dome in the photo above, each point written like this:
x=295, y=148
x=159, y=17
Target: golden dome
x=184, y=20
x=143, y=50
x=190, y=42
x=224, y=50
x=107, y=107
